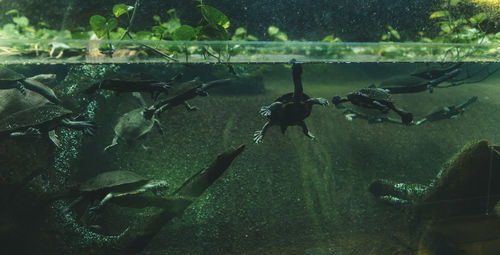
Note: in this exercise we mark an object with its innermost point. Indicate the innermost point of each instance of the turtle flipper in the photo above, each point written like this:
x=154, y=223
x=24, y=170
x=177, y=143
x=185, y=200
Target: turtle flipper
x=259, y=134
x=406, y=117
x=88, y=127
x=266, y=111
x=317, y=100
x=31, y=131
x=306, y=131
x=189, y=107
x=113, y=143
x=159, y=126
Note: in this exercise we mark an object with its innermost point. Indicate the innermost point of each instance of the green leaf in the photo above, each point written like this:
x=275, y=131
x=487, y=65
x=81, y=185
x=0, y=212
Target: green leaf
x=329, y=38
x=439, y=14
x=214, y=16
x=98, y=25
x=478, y=18
x=281, y=37
x=143, y=35
x=272, y=30
x=12, y=12
x=184, y=33
x=158, y=30
x=446, y=28
x=213, y=32
x=240, y=31
x=43, y=24
x=21, y=21
x=156, y=18
x=80, y=35
x=252, y=38
x=171, y=12
x=454, y=2
x=112, y=24
x=394, y=33
x=120, y=9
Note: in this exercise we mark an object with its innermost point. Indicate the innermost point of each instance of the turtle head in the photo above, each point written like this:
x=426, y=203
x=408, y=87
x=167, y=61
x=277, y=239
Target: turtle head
x=336, y=100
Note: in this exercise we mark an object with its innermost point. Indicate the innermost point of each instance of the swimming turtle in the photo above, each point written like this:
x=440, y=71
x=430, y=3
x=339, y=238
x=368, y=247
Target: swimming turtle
x=374, y=98
x=135, y=124
x=107, y=186
x=447, y=112
x=371, y=115
x=12, y=100
x=136, y=82
x=136, y=237
x=290, y=109
x=42, y=119
x=434, y=73
x=412, y=84
x=183, y=91
x=10, y=79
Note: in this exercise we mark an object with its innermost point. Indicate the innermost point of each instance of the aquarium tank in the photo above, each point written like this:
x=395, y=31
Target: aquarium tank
x=345, y=127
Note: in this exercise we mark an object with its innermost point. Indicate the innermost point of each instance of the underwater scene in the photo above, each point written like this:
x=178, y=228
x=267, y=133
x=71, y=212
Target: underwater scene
x=237, y=127
x=372, y=162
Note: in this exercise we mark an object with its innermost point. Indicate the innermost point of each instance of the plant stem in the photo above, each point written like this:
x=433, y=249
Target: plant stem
x=131, y=20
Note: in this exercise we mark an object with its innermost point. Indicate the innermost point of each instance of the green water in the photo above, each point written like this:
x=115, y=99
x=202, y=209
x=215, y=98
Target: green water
x=288, y=195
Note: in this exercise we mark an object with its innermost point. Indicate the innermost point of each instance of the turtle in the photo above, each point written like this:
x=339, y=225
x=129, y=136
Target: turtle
x=107, y=186
x=447, y=112
x=12, y=100
x=183, y=91
x=434, y=73
x=374, y=98
x=412, y=84
x=290, y=109
x=11, y=79
x=371, y=115
x=135, y=82
x=129, y=186
x=135, y=124
x=42, y=119
x=460, y=202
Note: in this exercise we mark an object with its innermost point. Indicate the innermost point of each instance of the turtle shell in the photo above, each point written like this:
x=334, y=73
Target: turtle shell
x=404, y=84
x=112, y=179
x=34, y=117
x=7, y=74
x=292, y=110
x=376, y=94
x=133, y=125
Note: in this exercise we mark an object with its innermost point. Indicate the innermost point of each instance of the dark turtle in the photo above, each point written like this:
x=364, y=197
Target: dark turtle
x=289, y=109
x=10, y=79
x=412, y=84
x=447, y=112
x=374, y=98
x=434, y=73
x=183, y=91
x=138, y=82
x=134, y=124
x=42, y=119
